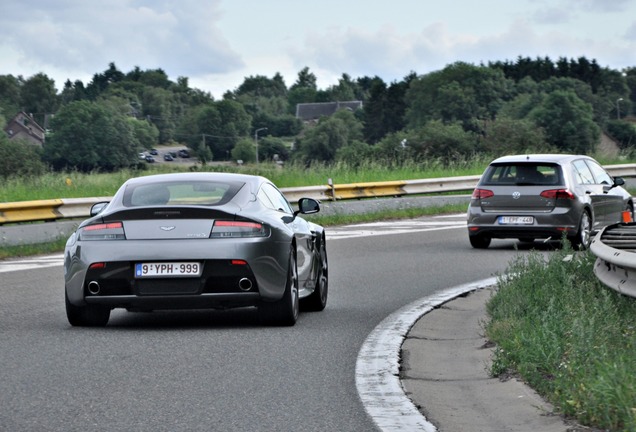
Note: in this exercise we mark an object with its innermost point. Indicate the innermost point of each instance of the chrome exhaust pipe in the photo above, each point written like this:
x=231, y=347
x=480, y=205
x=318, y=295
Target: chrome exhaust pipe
x=245, y=284
x=93, y=287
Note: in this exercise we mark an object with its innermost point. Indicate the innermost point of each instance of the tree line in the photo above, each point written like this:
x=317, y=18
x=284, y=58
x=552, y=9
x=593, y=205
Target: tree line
x=526, y=105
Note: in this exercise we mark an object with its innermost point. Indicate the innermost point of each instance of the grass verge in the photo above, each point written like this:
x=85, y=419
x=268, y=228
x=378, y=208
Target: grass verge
x=32, y=249
x=568, y=336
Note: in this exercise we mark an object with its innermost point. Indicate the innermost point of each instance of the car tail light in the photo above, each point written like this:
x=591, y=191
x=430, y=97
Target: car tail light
x=482, y=194
x=558, y=193
x=103, y=231
x=238, y=229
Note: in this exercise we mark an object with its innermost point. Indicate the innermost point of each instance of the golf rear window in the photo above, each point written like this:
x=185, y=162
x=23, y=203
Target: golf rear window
x=523, y=174
x=204, y=193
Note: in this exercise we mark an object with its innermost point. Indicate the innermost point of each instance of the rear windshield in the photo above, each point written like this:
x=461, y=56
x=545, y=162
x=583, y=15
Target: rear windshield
x=180, y=193
x=523, y=174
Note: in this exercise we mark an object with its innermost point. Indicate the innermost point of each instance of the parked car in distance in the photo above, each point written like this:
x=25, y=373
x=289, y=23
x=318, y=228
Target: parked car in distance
x=168, y=157
x=183, y=153
x=142, y=155
x=545, y=196
x=150, y=159
x=154, y=152
x=196, y=241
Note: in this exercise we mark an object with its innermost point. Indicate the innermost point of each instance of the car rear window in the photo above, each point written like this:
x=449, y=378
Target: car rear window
x=523, y=174
x=180, y=193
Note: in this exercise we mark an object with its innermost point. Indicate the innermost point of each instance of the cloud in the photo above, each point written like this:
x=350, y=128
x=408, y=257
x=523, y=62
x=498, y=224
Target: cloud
x=178, y=36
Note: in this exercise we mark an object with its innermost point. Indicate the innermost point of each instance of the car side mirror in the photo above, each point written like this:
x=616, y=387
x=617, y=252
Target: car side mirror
x=308, y=206
x=98, y=207
x=619, y=181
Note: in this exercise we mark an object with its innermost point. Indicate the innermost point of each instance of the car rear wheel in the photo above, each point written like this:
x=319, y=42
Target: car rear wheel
x=285, y=311
x=86, y=316
x=584, y=234
x=479, y=241
x=317, y=301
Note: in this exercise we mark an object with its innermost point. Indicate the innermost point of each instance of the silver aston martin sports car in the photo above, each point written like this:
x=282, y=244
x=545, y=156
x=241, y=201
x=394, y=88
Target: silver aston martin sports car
x=196, y=241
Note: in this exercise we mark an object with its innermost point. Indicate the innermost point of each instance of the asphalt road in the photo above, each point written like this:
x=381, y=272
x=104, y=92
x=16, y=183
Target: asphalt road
x=222, y=370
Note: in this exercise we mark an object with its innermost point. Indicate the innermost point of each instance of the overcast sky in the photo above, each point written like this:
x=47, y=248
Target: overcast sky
x=217, y=43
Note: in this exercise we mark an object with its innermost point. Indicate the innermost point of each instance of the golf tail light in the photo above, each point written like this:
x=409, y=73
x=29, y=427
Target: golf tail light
x=103, y=231
x=482, y=194
x=558, y=193
x=238, y=229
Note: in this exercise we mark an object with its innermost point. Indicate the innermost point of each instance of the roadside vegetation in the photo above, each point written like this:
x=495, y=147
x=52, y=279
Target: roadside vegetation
x=568, y=336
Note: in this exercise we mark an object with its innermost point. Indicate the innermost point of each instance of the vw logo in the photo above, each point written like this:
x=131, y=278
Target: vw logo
x=167, y=228
x=516, y=195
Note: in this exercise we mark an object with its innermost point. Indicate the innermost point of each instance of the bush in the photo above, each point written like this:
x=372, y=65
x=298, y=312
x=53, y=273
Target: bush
x=623, y=132
x=19, y=158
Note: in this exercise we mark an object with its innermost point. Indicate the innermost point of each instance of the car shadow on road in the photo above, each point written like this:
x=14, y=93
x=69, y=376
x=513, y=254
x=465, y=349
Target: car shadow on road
x=538, y=245
x=180, y=319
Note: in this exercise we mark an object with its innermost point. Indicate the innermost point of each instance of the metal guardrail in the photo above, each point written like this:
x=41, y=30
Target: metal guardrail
x=68, y=208
x=615, y=249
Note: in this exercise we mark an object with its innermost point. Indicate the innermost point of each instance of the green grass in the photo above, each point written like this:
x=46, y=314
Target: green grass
x=83, y=185
x=33, y=249
x=568, y=336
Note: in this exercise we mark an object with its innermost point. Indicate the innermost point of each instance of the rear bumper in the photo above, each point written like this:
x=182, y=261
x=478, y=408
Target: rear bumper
x=199, y=301
x=521, y=231
x=552, y=224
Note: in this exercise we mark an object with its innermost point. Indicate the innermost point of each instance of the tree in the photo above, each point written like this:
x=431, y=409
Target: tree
x=331, y=133
x=567, y=121
x=9, y=95
x=623, y=132
x=375, y=111
x=304, y=90
x=88, y=136
x=506, y=135
x=38, y=96
x=445, y=142
x=459, y=92
x=272, y=148
x=19, y=158
x=244, y=150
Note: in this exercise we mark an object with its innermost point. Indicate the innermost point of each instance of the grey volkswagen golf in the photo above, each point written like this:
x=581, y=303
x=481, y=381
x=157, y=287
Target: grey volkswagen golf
x=545, y=196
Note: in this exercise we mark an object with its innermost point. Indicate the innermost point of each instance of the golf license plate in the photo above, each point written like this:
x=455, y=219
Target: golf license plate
x=516, y=220
x=168, y=269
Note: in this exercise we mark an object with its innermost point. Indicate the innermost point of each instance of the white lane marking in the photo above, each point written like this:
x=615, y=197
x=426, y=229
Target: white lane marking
x=31, y=263
x=377, y=367
x=343, y=234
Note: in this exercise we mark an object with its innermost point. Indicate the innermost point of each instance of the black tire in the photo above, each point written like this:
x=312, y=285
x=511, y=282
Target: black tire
x=479, y=241
x=583, y=237
x=285, y=311
x=317, y=301
x=86, y=316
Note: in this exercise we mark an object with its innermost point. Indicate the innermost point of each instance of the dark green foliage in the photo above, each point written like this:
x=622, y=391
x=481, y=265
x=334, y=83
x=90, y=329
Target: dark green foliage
x=38, y=96
x=272, y=149
x=568, y=122
x=506, y=135
x=9, y=95
x=90, y=136
x=19, y=158
x=623, y=132
x=523, y=105
x=331, y=133
x=460, y=92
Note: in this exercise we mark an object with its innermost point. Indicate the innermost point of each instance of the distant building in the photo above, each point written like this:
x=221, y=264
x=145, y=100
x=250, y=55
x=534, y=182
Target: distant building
x=22, y=126
x=313, y=111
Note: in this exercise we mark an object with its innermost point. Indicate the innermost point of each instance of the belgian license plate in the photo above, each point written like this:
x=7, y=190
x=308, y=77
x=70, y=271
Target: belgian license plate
x=516, y=220
x=168, y=269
